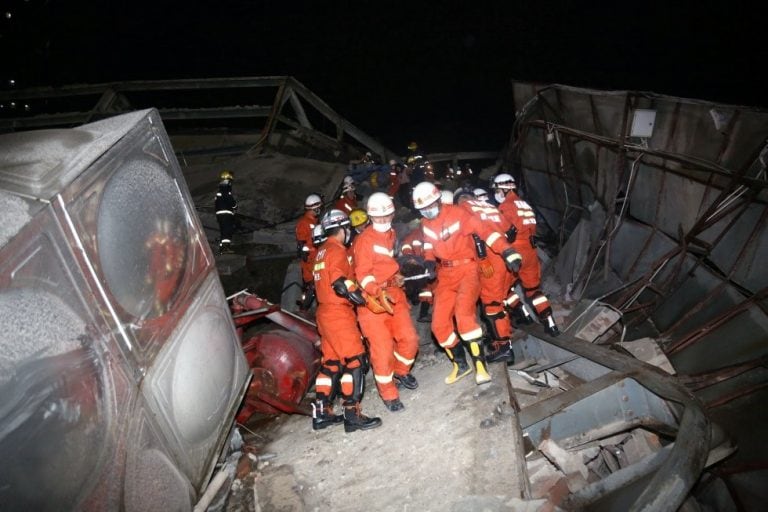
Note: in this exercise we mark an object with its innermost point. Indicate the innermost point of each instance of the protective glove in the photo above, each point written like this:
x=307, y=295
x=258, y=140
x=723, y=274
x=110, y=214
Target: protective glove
x=511, y=234
x=486, y=269
x=386, y=302
x=398, y=280
x=512, y=260
x=373, y=304
x=430, y=266
x=348, y=289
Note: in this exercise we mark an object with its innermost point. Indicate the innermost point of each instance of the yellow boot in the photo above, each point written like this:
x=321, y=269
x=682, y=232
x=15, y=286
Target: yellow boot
x=478, y=360
x=459, y=360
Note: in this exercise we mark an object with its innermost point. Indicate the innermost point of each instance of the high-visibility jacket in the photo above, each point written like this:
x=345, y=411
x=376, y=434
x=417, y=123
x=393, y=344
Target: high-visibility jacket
x=304, y=228
x=346, y=203
x=520, y=214
x=392, y=339
x=448, y=239
x=494, y=288
x=340, y=337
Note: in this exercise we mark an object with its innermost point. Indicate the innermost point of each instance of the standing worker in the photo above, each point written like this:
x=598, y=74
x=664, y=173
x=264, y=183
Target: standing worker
x=225, y=205
x=344, y=361
x=348, y=199
x=306, y=248
x=386, y=322
x=448, y=231
x=520, y=234
x=495, y=281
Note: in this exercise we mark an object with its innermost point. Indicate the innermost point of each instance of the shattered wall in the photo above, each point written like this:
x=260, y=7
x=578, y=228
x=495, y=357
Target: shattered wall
x=669, y=227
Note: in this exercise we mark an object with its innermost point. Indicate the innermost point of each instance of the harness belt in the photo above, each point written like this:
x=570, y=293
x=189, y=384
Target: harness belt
x=455, y=263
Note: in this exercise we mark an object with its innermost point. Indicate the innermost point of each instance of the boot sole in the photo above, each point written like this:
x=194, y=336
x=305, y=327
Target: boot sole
x=348, y=428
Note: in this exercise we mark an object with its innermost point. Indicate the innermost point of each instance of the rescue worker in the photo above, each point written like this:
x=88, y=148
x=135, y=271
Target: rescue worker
x=225, y=205
x=358, y=219
x=348, y=199
x=495, y=281
x=419, y=291
x=404, y=191
x=522, y=229
x=394, y=179
x=344, y=362
x=481, y=195
x=449, y=246
x=386, y=321
x=306, y=248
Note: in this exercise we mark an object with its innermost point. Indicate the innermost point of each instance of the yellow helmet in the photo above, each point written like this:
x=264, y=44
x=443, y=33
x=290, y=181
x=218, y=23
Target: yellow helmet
x=412, y=146
x=358, y=217
x=226, y=175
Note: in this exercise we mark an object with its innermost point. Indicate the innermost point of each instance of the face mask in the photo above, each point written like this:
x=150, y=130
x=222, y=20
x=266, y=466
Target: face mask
x=499, y=196
x=431, y=212
x=381, y=228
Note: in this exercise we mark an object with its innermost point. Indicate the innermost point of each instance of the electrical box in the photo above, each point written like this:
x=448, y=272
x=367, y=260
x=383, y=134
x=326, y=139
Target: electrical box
x=642, y=123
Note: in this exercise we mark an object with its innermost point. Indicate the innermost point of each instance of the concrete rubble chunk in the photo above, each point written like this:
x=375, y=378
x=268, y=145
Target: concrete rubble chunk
x=570, y=464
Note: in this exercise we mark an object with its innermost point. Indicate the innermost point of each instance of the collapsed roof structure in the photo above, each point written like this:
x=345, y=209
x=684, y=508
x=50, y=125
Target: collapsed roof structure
x=655, y=207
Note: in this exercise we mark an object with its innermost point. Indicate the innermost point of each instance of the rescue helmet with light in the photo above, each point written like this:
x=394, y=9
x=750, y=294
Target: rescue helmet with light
x=504, y=181
x=425, y=194
x=379, y=205
x=226, y=176
x=358, y=217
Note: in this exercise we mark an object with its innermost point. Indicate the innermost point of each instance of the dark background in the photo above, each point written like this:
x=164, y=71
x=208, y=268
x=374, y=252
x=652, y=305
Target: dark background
x=435, y=72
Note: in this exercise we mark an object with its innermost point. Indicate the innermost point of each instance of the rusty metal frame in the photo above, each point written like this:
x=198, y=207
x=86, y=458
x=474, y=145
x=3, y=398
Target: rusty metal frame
x=112, y=100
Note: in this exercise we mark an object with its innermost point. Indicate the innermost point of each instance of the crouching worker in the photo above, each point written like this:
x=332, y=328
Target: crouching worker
x=344, y=360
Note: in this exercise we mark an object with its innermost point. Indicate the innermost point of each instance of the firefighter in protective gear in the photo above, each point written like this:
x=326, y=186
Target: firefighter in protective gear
x=522, y=221
x=449, y=246
x=495, y=282
x=344, y=361
x=482, y=195
x=386, y=320
x=419, y=291
x=348, y=199
x=225, y=205
x=306, y=248
x=394, y=179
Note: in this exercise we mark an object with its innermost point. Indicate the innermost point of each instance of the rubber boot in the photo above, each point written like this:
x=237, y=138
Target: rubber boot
x=459, y=360
x=478, y=360
x=550, y=326
x=354, y=419
x=424, y=316
x=500, y=350
x=322, y=415
x=522, y=315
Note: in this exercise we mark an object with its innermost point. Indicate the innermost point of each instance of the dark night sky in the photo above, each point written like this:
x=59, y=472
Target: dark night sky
x=435, y=72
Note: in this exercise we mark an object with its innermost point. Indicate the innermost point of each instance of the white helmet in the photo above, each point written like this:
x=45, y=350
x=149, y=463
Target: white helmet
x=446, y=197
x=480, y=194
x=504, y=182
x=393, y=162
x=312, y=201
x=379, y=205
x=348, y=185
x=425, y=194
